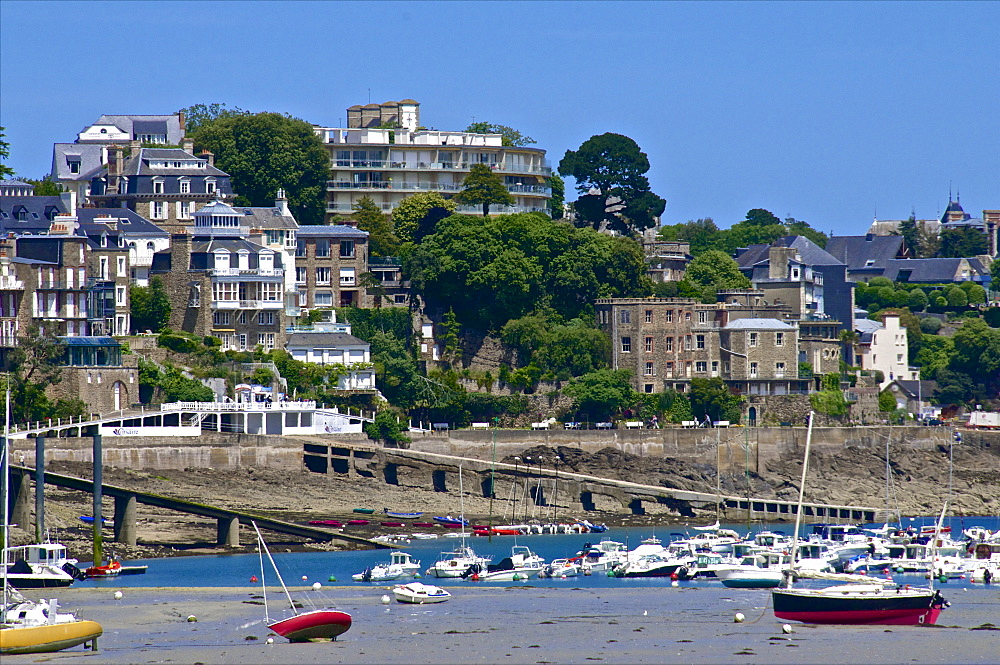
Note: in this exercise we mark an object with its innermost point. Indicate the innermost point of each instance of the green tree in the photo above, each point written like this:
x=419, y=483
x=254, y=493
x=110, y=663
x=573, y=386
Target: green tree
x=965, y=241
x=508, y=135
x=886, y=401
x=265, y=152
x=44, y=187
x=956, y=298
x=761, y=217
x=34, y=365
x=409, y=215
x=5, y=171
x=917, y=300
x=977, y=352
x=386, y=427
x=911, y=234
x=198, y=114
x=451, y=336
x=716, y=269
x=600, y=394
x=150, y=306
x=558, y=197
x=830, y=400
x=995, y=275
x=953, y=387
x=797, y=227
x=615, y=165
x=382, y=239
x=372, y=284
x=712, y=399
x=976, y=293
x=483, y=187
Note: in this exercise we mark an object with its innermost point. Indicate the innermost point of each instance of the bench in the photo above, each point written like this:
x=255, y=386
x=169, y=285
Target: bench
x=604, y=425
x=571, y=425
x=480, y=425
x=634, y=424
x=539, y=425
x=440, y=426
x=720, y=423
x=689, y=423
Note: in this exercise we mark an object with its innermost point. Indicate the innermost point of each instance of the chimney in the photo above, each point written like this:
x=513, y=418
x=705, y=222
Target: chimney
x=208, y=156
x=187, y=145
x=181, y=120
x=281, y=203
x=135, y=146
x=69, y=201
x=777, y=259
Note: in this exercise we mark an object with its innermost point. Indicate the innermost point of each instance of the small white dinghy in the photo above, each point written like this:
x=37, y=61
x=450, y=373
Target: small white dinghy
x=418, y=593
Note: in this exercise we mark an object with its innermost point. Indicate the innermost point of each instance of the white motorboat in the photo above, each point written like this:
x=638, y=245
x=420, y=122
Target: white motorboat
x=602, y=557
x=418, y=593
x=760, y=570
x=560, y=568
x=41, y=565
x=456, y=563
x=522, y=564
x=401, y=566
x=706, y=565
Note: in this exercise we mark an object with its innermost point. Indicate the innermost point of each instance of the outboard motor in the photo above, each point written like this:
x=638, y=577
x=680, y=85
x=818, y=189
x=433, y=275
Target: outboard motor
x=73, y=571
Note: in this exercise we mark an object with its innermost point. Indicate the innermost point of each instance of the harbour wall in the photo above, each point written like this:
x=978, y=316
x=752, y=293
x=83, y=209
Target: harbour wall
x=735, y=449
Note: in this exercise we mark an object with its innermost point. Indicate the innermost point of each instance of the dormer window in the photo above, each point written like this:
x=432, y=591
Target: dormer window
x=104, y=240
x=243, y=259
x=210, y=186
x=157, y=186
x=74, y=166
x=222, y=260
x=185, y=186
x=869, y=263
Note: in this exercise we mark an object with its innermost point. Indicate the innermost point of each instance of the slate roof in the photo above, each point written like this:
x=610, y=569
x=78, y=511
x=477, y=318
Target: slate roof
x=38, y=210
x=128, y=124
x=88, y=154
x=312, y=339
x=136, y=225
x=910, y=388
x=330, y=231
x=232, y=244
x=267, y=218
x=929, y=271
x=757, y=324
x=809, y=252
x=858, y=251
x=139, y=164
x=216, y=208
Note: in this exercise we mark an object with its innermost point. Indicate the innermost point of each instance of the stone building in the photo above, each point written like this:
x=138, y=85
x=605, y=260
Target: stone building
x=820, y=346
x=223, y=285
x=95, y=371
x=666, y=261
x=164, y=185
x=329, y=262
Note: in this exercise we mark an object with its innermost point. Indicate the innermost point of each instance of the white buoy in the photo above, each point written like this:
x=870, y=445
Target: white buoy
x=386, y=599
x=645, y=613
x=739, y=617
x=118, y=595
x=675, y=583
x=305, y=577
x=316, y=586
x=192, y=618
x=786, y=628
x=270, y=640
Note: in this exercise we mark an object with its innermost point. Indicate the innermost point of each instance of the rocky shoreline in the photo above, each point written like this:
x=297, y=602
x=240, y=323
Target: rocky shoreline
x=919, y=486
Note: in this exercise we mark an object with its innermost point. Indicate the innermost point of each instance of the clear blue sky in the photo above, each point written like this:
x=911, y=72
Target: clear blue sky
x=823, y=111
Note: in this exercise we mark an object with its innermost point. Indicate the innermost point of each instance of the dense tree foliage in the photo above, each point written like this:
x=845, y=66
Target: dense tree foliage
x=387, y=427
x=416, y=216
x=5, y=171
x=491, y=270
x=33, y=365
x=962, y=241
x=483, y=187
x=560, y=351
x=759, y=227
x=600, y=394
x=508, y=135
x=712, y=271
x=558, y=198
x=265, y=152
x=44, y=187
x=711, y=399
x=615, y=166
x=382, y=238
x=150, y=306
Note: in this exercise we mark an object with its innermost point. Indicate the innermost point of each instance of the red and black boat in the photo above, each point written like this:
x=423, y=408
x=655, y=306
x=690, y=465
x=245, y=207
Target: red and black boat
x=859, y=604
x=315, y=625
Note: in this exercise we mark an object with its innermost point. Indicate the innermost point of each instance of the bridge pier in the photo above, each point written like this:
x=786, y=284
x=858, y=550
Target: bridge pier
x=20, y=502
x=228, y=530
x=125, y=519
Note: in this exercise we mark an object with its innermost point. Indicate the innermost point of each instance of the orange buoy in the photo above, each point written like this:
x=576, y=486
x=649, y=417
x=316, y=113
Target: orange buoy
x=253, y=578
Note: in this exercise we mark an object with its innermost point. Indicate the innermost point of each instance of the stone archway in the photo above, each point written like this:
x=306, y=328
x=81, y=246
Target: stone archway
x=120, y=392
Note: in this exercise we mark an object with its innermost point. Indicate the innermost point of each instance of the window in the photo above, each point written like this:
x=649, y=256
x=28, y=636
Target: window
x=120, y=296
x=323, y=276
x=648, y=370
x=300, y=249
x=104, y=267
x=702, y=317
x=183, y=210
x=701, y=367
x=220, y=319
x=715, y=368
x=158, y=211
x=687, y=316
x=669, y=344
x=265, y=318
x=753, y=369
x=185, y=186
x=399, y=299
x=779, y=370
x=687, y=342
x=323, y=298
x=752, y=337
x=649, y=316
x=626, y=345
x=243, y=318
x=225, y=291
x=157, y=186
x=121, y=267
x=210, y=189
x=726, y=367
x=347, y=249
x=303, y=298
x=269, y=292
x=700, y=341
x=322, y=247
x=670, y=369
x=347, y=277
x=602, y=316
x=779, y=339
x=74, y=167
x=243, y=342
x=670, y=316
x=300, y=275
x=649, y=345
x=626, y=316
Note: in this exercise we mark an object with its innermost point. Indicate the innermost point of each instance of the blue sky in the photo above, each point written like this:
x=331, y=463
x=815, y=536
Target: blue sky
x=823, y=111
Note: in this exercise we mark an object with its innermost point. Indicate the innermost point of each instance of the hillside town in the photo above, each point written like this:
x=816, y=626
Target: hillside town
x=438, y=279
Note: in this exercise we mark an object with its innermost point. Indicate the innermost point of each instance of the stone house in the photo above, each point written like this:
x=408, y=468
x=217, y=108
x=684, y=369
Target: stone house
x=95, y=371
x=329, y=261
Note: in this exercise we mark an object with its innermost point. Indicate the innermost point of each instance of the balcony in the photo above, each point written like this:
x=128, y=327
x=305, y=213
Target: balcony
x=10, y=283
x=386, y=165
x=411, y=186
x=389, y=261
x=261, y=304
x=248, y=272
x=347, y=281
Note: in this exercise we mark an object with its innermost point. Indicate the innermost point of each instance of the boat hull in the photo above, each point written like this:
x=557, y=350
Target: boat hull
x=420, y=595
x=28, y=582
x=849, y=609
x=46, y=639
x=315, y=625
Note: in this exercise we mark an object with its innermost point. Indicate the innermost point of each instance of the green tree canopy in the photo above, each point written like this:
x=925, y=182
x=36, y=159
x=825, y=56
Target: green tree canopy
x=509, y=135
x=483, y=187
x=5, y=171
x=382, y=239
x=558, y=198
x=409, y=216
x=150, y=306
x=759, y=227
x=964, y=241
x=265, y=152
x=600, y=394
x=33, y=365
x=198, y=114
x=718, y=269
x=712, y=399
x=613, y=164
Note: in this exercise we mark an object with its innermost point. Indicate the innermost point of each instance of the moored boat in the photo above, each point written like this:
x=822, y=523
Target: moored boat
x=357, y=522
x=364, y=511
x=110, y=569
x=401, y=516
x=451, y=521
x=30, y=627
x=455, y=564
x=314, y=625
x=417, y=593
x=332, y=523
x=401, y=565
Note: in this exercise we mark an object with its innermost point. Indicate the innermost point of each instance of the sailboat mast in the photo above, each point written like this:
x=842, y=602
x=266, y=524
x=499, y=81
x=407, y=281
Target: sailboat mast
x=277, y=572
x=5, y=471
x=718, y=474
x=802, y=487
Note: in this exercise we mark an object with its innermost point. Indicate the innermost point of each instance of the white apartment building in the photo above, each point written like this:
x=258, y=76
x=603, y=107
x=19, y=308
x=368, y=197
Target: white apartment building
x=883, y=347
x=386, y=155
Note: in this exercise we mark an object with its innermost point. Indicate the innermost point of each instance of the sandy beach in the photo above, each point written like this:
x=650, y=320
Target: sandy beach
x=521, y=624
